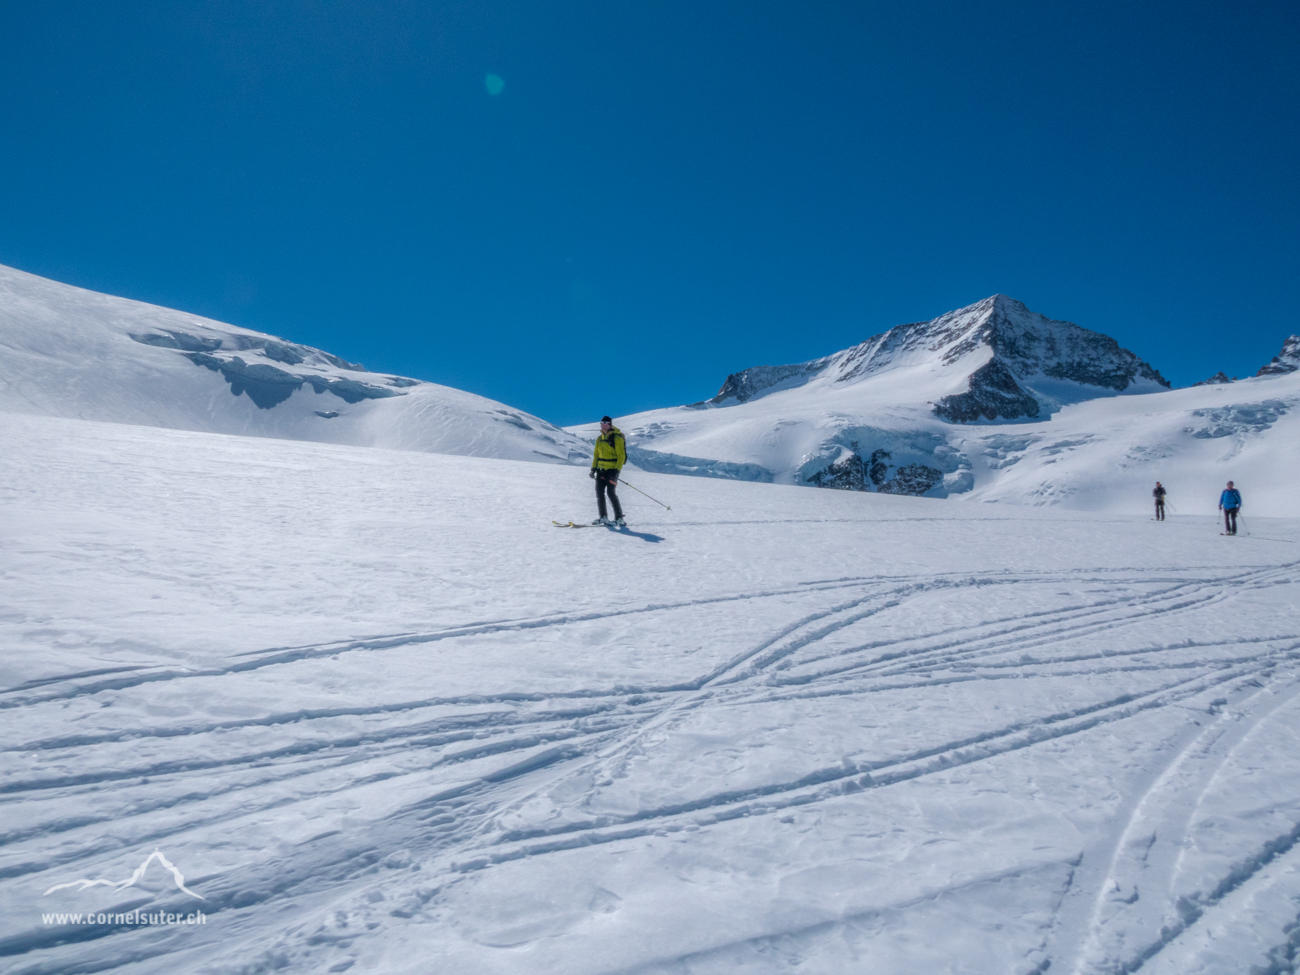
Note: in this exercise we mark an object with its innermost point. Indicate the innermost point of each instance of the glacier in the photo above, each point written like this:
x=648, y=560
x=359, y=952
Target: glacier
x=299, y=677
x=989, y=403
x=383, y=717
x=74, y=353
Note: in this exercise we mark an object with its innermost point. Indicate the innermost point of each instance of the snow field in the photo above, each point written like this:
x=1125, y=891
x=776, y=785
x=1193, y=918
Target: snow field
x=1107, y=454
x=68, y=352
x=1102, y=454
x=382, y=714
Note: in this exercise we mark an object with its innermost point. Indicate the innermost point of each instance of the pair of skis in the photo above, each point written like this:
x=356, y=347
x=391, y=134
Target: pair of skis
x=574, y=524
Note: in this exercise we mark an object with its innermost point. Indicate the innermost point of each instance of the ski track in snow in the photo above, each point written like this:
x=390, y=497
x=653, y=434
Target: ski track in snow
x=1146, y=852
x=595, y=728
x=980, y=769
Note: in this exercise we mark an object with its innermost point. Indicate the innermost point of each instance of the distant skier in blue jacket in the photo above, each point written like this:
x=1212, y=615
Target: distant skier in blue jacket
x=1230, y=504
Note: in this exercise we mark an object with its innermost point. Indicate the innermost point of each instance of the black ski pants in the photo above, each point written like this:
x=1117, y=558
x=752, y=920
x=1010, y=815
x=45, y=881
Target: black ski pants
x=1230, y=520
x=606, y=481
x=1160, y=509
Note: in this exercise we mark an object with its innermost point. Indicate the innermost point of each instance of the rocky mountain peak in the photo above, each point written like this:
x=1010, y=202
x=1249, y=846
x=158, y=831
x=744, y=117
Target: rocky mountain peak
x=1002, y=345
x=1030, y=344
x=1288, y=360
x=1218, y=379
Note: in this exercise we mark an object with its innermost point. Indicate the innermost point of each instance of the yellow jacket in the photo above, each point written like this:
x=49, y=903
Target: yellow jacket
x=611, y=454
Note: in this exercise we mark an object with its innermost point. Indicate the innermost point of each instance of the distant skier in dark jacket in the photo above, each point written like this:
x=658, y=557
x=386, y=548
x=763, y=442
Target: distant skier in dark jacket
x=1159, y=495
x=606, y=461
x=1230, y=504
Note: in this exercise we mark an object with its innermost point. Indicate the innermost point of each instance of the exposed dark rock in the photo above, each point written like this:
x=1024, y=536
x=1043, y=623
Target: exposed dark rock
x=846, y=474
x=1092, y=374
x=994, y=395
x=743, y=385
x=914, y=479
x=852, y=473
x=1217, y=379
x=1101, y=362
x=169, y=339
x=878, y=470
x=907, y=463
x=1025, y=346
x=1031, y=344
x=1288, y=361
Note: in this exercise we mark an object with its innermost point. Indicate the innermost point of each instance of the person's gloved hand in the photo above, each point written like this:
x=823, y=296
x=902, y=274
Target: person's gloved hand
x=593, y=473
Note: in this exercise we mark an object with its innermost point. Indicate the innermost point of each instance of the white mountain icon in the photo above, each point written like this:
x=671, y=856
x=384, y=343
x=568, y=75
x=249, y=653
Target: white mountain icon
x=131, y=880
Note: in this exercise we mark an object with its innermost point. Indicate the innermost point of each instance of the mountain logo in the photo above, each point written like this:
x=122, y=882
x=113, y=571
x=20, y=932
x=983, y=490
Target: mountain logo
x=131, y=881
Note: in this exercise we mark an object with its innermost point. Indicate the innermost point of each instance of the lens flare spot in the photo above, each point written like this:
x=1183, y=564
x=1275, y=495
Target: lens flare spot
x=494, y=83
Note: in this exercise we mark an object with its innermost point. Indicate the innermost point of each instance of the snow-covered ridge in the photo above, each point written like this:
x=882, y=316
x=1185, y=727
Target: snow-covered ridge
x=74, y=353
x=1288, y=360
x=269, y=385
x=991, y=402
x=998, y=346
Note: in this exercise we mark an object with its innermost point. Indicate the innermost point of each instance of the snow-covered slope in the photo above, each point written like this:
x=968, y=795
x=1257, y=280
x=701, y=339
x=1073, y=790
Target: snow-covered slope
x=991, y=402
x=1107, y=455
x=773, y=731
x=69, y=352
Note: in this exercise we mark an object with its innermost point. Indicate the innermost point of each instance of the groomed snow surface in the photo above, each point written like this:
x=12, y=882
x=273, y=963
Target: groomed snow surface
x=383, y=717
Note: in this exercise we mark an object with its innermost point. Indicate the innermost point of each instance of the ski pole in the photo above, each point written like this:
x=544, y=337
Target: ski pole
x=639, y=491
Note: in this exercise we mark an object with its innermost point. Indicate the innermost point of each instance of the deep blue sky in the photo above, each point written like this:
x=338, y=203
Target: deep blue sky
x=663, y=192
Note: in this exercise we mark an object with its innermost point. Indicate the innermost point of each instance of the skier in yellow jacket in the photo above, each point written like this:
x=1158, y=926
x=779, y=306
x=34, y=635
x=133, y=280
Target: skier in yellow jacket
x=606, y=462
